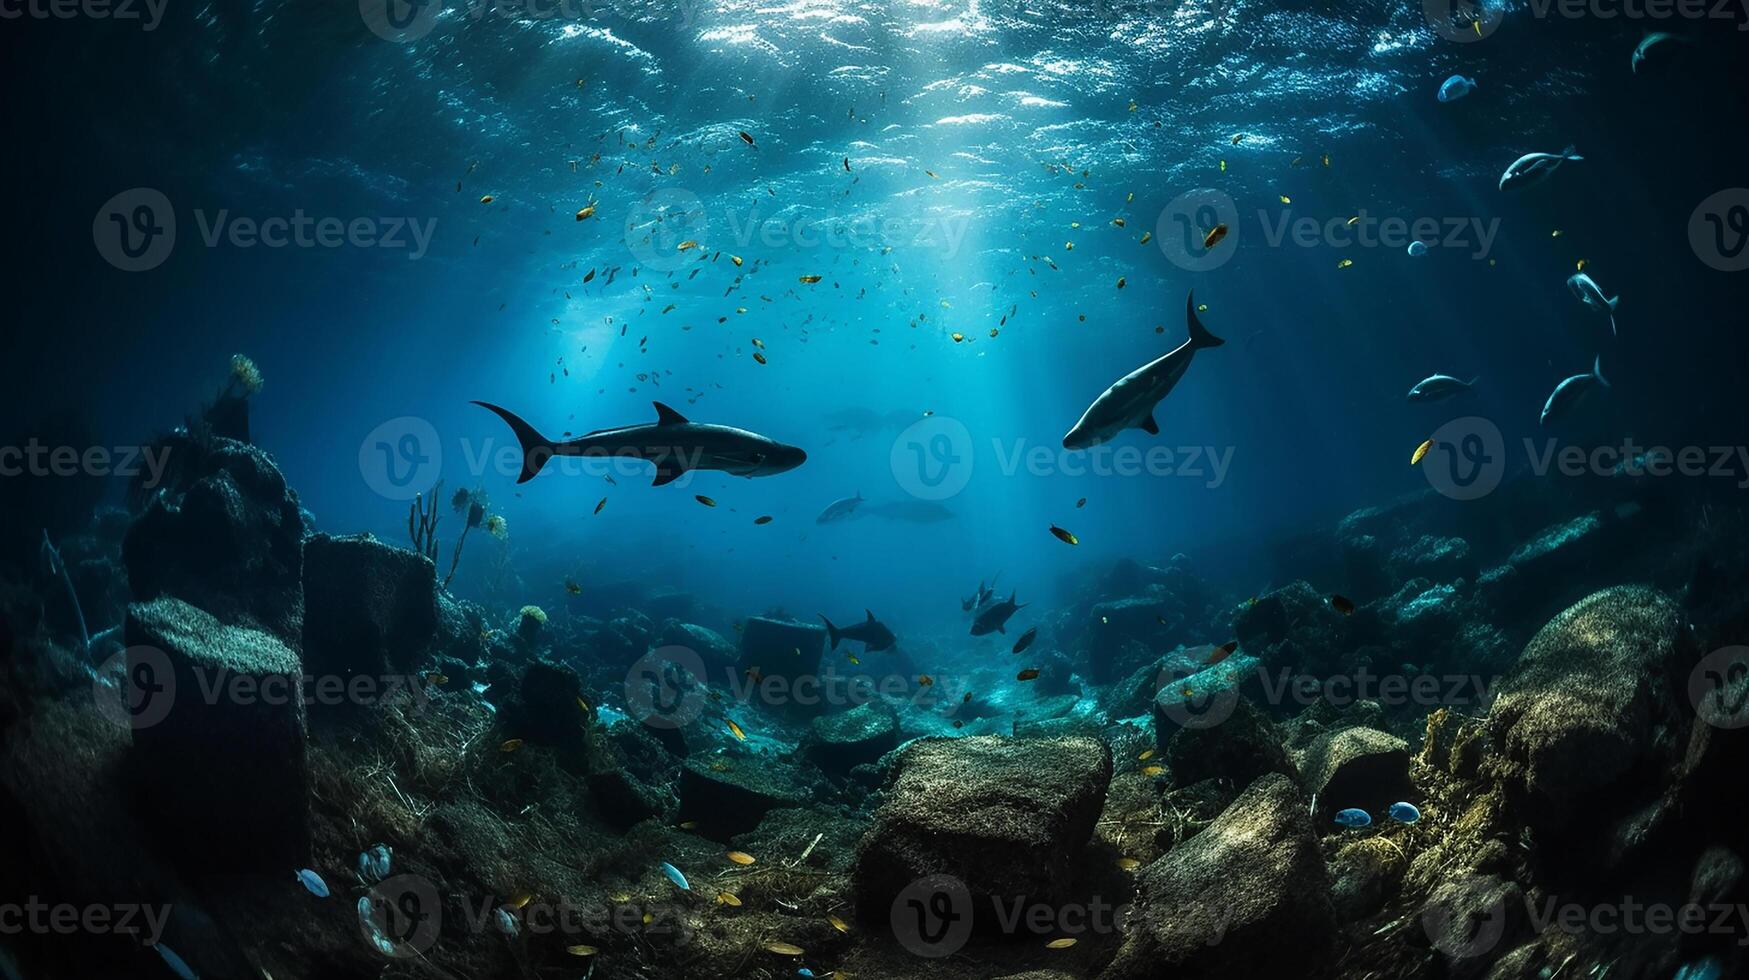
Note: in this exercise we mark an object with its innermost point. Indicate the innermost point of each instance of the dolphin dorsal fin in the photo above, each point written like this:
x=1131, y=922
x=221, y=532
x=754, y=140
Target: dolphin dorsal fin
x=668, y=416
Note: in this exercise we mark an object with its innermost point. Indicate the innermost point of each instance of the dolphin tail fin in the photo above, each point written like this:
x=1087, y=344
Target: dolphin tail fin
x=831, y=632
x=1612, y=301
x=1199, y=334
x=1571, y=153
x=1597, y=372
x=536, y=448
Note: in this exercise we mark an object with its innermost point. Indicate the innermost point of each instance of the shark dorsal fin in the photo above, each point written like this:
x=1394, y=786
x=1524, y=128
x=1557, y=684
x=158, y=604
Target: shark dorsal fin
x=870, y=615
x=668, y=416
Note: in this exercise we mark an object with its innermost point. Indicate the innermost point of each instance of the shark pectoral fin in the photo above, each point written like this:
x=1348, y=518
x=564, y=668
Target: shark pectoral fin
x=1149, y=426
x=666, y=474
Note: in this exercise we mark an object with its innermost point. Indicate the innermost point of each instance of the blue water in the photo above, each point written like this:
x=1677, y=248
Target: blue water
x=1024, y=115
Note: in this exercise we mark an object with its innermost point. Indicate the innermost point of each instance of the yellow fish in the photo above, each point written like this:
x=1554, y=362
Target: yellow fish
x=581, y=950
x=1420, y=451
x=1286, y=200
x=587, y=211
x=1345, y=263
x=729, y=899
x=1064, y=536
x=783, y=949
x=511, y=746
x=1223, y=166
x=1128, y=864
x=686, y=246
x=1153, y=770
x=735, y=730
x=742, y=858
x=808, y=280
x=1060, y=943
x=708, y=502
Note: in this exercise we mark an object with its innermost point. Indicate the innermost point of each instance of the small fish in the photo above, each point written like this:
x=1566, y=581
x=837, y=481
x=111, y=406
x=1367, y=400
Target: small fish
x=507, y=923
x=586, y=212
x=729, y=898
x=1353, y=818
x=735, y=730
x=1438, y=386
x=1570, y=391
x=1064, y=536
x=784, y=949
x=581, y=950
x=1026, y=639
x=701, y=498
x=487, y=199
x=1081, y=503
x=1221, y=653
x=958, y=337
x=747, y=138
x=1345, y=263
x=1534, y=168
x=1029, y=674
x=1404, y=812
x=1145, y=756
x=763, y=519
x=1128, y=864
x=742, y=858
x=1214, y=236
x=1223, y=166
x=1420, y=452
x=572, y=588
x=1153, y=770
x=839, y=924
x=808, y=280
x=760, y=358
x=520, y=902
x=437, y=679
x=1342, y=604
x=313, y=882
x=924, y=680
x=373, y=864
x=1417, y=249
x=1237, y=137
x=600, y=505
x=1285, y=199
x=675, y=876
x=1061, y=943
x=1455, y=88
x=685, y=246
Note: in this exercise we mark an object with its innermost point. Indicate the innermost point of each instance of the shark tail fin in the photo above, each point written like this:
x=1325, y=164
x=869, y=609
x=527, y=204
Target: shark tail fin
x=831, y=632
x=1597, y=372
x=1612, y=301
x=1472, y=382
x=536, y=448
x=1199, y=334
x=1571, y=153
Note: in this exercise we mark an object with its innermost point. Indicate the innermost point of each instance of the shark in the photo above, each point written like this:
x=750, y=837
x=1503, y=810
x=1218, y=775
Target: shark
x=871, y=633
x=994, y=617
x=673, y=444
x=1129, y=403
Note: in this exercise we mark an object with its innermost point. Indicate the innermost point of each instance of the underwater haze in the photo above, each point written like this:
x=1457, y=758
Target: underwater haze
x=877, y=313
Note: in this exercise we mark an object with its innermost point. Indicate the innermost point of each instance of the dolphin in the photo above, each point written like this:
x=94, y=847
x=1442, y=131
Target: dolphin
x=871, y=633
x=1129, y=403
x=839, y=510
x=1568, y=393
x=1534, y=168
x=994, y=618
x=1660, y=42
x=674, y=445
x=1586, y=290
x=1438, y=387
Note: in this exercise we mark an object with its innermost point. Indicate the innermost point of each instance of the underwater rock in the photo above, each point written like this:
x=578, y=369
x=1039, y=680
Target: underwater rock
x=1473, y=919
x=227, y=537
x=369, y=608
x=1296, y=628
x=1246, y=897
x=222, y=774
x=1363, y=876
x=1558, y=565
x=1006, y=816
x=460, y=630
x=711, y=647
x=839, y=742
x=827, y=836
x=1590, y=725
x=549, y=709
x=730, y=795
x=1242, y=748
x=783, y=650
x=1435, y=558
x=1356, y=767
x=633, y=779
x=1119, y=636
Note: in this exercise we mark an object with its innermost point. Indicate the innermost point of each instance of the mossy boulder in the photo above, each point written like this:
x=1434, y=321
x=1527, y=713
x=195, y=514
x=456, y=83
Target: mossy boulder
x=1240, y=749
x=730, y=795
x=1248, y=896
x=370, y=608
x=1007, y=817
x=840, y=742
x=219, y=740
x=1356, y=767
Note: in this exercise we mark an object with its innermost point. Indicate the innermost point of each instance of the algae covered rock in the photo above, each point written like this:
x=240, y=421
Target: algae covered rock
x=1242, y=748
x=226, y=536
x=1356, y=767
x=1006, y=817
x=219, y=740
x=711, y=647
x=1246, y=897
x=729, y=796
x=370, y=608
x=1591, y=723
x=840, y=742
